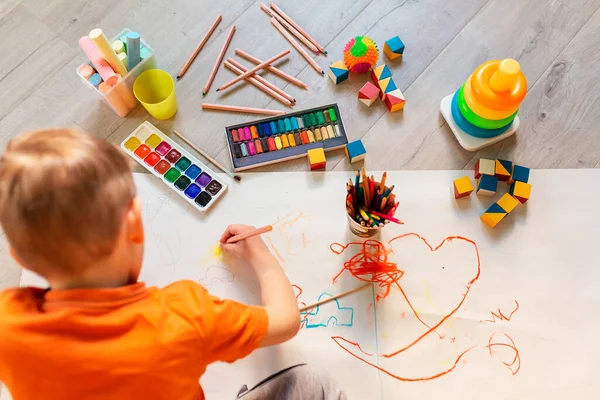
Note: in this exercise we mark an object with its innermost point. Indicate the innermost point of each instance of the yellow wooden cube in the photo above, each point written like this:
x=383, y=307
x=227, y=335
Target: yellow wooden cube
x=508, y=202
x=462, y=187
x=316, y=158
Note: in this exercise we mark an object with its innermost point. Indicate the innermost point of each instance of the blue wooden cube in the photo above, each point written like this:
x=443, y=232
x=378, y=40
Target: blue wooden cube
x=393, y=48
x=519, y=174
x=487, y=186
x=355, y=151
x=338, y=72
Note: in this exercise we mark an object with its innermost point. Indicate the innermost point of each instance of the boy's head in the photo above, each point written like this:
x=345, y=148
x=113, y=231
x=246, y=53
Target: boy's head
x=68, y=205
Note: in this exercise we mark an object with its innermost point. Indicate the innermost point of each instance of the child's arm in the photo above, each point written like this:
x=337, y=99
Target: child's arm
x=276, y=291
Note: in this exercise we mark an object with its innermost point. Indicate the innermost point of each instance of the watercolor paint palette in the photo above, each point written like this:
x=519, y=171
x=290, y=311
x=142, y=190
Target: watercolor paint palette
x=285, y=137
x=179, y=170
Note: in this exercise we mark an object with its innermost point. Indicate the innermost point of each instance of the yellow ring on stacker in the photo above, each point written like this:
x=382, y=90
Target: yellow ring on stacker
x=480, y=83
x=481, y=110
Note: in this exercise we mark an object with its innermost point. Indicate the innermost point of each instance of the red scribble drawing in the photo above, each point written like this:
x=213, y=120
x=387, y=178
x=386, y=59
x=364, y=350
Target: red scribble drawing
x=515, y=365
x=501, y=316
x=298, y=290
x=372, y=264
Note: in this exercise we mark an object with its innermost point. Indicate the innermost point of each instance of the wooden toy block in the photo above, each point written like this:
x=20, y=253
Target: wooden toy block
x=394, y=100
x=338, y=72
x=383, y=86
x=519, y=173
x=368, y=93
x=521, y=191
x=316, y=158
x=462, y=187
x=393, y=48
x=508, y=203
x=493, y=215
x=487, y=185
x=380, y=72
x=485, y=167
x=355, y=151
x=503, y=170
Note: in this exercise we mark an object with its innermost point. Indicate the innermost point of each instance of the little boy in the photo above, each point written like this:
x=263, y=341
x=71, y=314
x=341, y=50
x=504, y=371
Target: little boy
x=69, y=210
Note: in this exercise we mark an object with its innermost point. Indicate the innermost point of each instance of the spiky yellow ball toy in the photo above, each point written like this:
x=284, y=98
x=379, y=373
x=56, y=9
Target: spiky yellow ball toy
x=360, y=54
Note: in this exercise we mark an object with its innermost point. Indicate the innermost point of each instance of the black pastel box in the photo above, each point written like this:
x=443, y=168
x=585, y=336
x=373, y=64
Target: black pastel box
x=285, y=137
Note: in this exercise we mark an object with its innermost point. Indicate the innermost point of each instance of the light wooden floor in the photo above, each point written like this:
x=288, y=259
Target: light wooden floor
x=555, y=41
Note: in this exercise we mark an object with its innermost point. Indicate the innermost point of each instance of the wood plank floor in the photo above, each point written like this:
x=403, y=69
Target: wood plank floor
x=555, y=41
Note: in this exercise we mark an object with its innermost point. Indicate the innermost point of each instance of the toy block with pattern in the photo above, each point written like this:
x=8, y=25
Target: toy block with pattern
x=493, y=215
x=394, y=100
x=368, y=93
x=355, y=151
x=385, y=85
x=393, y=48
x=380, y=72
x=508, y=203
x=338, y=72
x=520, y=174
x=487, y=185
x=521, y=191
x=462, y=187
x=485, y=167
x=316, y=158
x=503, y=170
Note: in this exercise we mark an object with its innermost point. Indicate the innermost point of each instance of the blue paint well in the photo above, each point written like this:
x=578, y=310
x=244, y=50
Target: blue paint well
x=192, y=191
x=193, y=171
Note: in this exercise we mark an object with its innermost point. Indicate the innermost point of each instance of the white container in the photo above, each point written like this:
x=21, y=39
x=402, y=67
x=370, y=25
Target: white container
x=120, y=97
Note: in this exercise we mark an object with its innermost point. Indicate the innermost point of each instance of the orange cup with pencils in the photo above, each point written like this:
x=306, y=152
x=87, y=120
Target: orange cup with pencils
x=370, y=205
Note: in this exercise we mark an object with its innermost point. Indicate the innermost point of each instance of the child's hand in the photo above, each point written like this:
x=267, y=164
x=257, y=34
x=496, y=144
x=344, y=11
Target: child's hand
x=249, y=250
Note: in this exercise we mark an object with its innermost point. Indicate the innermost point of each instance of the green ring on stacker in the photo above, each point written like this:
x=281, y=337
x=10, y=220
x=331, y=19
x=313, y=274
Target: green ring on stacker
x=478, y=121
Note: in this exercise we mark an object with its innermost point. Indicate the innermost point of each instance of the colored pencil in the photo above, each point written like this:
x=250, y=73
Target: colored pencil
x=273, y=69
x=196, y=51
x=297, y=46
x=290, y=28
x=382, y=182
x=220, y=57
x=262, y=80
x=389, y=218
x=209, y=158
x=254, y=69
x=255, y=232
x=249, y=110
x=257, y=81
x=295, y=25
x=337, y=296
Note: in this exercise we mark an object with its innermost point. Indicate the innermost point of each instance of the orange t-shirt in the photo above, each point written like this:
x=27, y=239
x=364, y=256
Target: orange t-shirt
x=131, y=342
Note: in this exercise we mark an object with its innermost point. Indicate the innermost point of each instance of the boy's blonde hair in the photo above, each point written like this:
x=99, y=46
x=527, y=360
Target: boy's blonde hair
x=63, y=197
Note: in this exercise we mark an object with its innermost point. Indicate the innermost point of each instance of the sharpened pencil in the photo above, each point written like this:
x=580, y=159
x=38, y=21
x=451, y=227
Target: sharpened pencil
x=256, y=81
x=337, y=296
x=297, y=46
x=295, y=25
x=196, y=51
x=290, y=28
x=262, y=80
x=273, y=69
x=255, y=232
x=218, y=61
x=249, y=110
x=253, y=70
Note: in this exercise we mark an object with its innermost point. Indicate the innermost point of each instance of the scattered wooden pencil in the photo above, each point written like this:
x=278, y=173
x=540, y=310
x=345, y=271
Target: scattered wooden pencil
x=369, y=203
x=209, y=158
x=259, y=82
x=196, y=51
x=295, y=25
x=273, y=69
x=289, y=27
x=255, y=232
x=248, y=110
x=253, y=70
x=297, y=46
x=338, y=296
x=218, y=61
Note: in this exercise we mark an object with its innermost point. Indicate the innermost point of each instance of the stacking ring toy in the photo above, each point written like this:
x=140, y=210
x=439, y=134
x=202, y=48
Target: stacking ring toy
x=480, y=109
x=499, y=85
x=469, y=128
x=476, y=119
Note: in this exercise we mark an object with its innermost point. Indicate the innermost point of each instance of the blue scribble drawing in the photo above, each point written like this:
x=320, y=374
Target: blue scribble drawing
x=343, y=317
